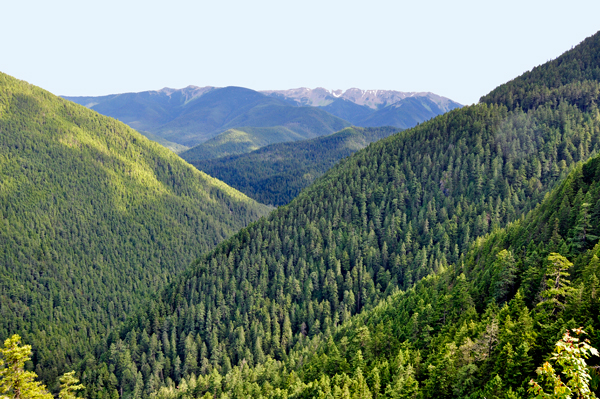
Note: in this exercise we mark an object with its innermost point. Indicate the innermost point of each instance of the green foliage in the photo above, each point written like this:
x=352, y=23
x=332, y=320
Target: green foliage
x=413, y=268
x=570, y=355
x=93, y=219
x=176, y=148
x=69, y=384
x=445, y=337
x=557, y=284
x=242, y=140
x=571, y=72
x=394, y=271
x=15, y=381
x=378, y=222
x=277, y=173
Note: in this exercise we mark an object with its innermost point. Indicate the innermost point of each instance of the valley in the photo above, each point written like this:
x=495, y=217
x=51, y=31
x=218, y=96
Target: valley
x=275, y=174
x=305, y=243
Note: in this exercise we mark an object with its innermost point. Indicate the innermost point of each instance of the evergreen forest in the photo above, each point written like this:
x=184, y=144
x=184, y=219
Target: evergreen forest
x=94, y=218
x=275, y=174
x=455, y=259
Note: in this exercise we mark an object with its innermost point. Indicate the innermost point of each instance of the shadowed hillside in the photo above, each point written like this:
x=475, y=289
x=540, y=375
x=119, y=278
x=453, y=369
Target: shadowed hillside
x=276, y=174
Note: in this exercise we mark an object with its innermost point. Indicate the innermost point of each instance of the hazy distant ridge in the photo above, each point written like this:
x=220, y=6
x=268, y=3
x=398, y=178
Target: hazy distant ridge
x=235, y=120
x=374, y=99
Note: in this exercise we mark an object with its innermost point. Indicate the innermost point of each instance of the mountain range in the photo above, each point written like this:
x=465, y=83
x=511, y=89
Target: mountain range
x=459, y=258
x=234, y=120
x=193, y=115
x=371, y=107
x=443, y=261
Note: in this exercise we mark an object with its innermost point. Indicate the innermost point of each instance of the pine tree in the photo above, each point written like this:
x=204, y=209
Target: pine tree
x=557, y=285
x=69, y=384
x=15, y=381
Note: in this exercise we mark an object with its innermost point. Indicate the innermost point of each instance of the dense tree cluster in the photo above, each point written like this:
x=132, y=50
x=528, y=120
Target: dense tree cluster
x=476, y=329
x=277, y=173
x=93, y=218
x=444, y=261
x=577, y=66
x=378, y=222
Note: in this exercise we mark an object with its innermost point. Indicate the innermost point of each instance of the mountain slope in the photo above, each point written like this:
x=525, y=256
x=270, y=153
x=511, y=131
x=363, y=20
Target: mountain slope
x=263, y=125
x=145, y=111
x=276, y=174
x=406, y=113
x=374, y=99
x=193, y=115
x=240, y=141
x=480, y=327
x=379, y=221
x=93, y=219
x=578, y=66
x=176, y=148
x=209, y=114
x=348, y=110
x=371, y=108
x=476, y=329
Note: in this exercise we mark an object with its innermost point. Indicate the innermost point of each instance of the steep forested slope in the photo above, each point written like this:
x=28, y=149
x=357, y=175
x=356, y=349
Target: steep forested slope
x=381, y=220
x=573, y=71
x=476, y=329
x=93, y=218
x=277, y=173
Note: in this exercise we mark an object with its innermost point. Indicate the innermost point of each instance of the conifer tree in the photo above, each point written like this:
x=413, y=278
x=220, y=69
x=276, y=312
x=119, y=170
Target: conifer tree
x=15, y=381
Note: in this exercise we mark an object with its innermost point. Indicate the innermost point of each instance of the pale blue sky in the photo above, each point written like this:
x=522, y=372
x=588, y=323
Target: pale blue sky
x=458, y=49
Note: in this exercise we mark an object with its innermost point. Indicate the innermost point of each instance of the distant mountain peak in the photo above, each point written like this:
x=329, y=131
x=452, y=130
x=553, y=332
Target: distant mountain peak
x=193, y=115
x=373, y=98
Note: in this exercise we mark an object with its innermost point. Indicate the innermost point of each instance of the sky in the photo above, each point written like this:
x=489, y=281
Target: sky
x=457, y=49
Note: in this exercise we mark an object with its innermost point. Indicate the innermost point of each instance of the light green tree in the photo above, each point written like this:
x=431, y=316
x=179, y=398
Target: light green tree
x=15, y=381
x=557, y=283
x=570, y=355
x=69, y=384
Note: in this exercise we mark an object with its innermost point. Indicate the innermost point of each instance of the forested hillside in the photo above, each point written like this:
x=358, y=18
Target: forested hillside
x=93, y=219
x=382, y=220
x=243, y=140
x=478, y=328
x=571, y=73
x=276, y=174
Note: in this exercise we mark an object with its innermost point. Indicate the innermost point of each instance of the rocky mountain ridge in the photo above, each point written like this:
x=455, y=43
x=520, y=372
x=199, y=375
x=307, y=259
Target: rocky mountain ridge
x=374, y=99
